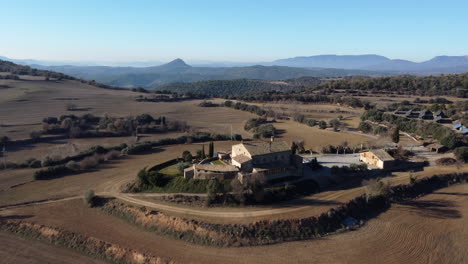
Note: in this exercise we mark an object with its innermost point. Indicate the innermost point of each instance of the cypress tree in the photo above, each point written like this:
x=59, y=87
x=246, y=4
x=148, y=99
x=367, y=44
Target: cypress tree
x=211, y=150
x=203, y=155
x=396, y=135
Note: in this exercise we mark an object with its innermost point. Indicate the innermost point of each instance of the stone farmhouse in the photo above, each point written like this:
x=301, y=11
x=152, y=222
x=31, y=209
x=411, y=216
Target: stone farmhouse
x=378, y=158
x=272, y=159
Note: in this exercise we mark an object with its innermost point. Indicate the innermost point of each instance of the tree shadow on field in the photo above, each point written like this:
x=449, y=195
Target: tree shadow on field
x=452, y=193
x=441, y=209
x=15, y=217
x=304, y=202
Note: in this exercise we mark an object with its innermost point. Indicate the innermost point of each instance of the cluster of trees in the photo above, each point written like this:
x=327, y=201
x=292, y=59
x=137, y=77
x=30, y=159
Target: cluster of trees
x=225, y=87
x=303, y=119
x=72, y=166
x=452, y=84
x=246, y=107
x=260, y=127
x=254, y=190
x=158, y=182
x=207, y=104
x=89, y=125
x=302, y=96
x=443, y=134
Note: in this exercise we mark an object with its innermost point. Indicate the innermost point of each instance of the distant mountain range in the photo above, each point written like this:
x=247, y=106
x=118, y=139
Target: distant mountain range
x=312, y=66
x=178, y=71
x=440, y=64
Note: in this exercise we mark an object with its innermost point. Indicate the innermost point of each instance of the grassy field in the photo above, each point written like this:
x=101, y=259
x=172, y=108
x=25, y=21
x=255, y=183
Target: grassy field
x=171, y=171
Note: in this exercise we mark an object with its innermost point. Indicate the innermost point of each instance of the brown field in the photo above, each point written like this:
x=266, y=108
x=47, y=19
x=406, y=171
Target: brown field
x=18, y=250
x=431, y=229
x=37, y=99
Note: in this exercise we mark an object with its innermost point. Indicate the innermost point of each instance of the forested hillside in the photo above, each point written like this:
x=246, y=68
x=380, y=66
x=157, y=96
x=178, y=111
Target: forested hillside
x=16, y=69
x=448, y=85
x=444, y=85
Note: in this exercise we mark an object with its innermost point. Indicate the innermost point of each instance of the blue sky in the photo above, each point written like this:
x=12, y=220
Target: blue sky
x=236, y=30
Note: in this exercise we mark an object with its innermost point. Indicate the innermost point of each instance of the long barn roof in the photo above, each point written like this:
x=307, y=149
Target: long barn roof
x=261, y=148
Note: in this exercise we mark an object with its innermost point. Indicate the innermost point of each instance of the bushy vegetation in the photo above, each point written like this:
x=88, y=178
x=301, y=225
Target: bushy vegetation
x=207, y=104
x=246, y=107
x=451, y=84
x=72, y=166
x=416, y=126
x=462, y=154
x=260, y=128
x=154, y=181
x=52, y=172
x=89, y=125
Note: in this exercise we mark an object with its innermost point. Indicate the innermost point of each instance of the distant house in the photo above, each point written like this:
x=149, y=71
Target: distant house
x=464, y=130
x=439, y=113
x=438, y=119
x=457, y=125
x=426, y=114
x=378, y=158
x=409, y=113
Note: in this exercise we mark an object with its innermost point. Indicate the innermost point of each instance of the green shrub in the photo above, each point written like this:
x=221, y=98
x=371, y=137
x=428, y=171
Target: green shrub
x=35, y=164
x=311, y=122
x=181, y=166
x=450, y=141
x=322, y=124
x=187, y=156
x=462, y=154
x=365, y=127
x=380, y=130
x=51, y=172
x=139, y=148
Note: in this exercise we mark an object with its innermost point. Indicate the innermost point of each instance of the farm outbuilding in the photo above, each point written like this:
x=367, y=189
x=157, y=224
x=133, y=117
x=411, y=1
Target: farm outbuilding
x=378, y=158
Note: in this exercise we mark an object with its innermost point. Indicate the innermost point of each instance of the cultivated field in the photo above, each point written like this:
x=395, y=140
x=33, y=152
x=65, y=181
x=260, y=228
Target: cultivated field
x=431, y=229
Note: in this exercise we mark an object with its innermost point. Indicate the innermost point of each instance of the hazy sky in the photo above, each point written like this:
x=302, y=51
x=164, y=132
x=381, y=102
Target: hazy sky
x=233, y=30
